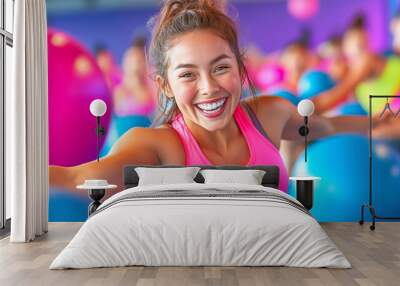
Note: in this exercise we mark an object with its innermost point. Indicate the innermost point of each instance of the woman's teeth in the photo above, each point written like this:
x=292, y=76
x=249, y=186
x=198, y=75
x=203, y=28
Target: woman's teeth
x=211, y=106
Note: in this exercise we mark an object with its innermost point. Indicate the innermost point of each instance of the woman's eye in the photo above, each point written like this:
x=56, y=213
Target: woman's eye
x=221, y=68
x=186, y=75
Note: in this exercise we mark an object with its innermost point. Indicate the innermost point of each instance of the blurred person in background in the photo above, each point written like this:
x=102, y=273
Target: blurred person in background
x=395, y=30
x=135, y=95
x=296, y=59
x=134, y=98
x=363, y=64
x=108, y=66
x=333, y=59
x=356, y=47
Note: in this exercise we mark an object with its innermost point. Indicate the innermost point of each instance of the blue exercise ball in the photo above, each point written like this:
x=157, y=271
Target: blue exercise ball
x=388, y=53
x=394, y=143
x=68, y=206
x=284, y=93
x=342, y=162
x=352, y=108
x=314, y=82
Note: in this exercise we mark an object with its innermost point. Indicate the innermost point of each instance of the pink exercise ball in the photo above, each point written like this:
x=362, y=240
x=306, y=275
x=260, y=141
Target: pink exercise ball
x=269, y=76
x=303, y=9
x=74, y=81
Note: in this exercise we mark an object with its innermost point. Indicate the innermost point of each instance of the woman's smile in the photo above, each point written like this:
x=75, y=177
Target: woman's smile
x=212, y=108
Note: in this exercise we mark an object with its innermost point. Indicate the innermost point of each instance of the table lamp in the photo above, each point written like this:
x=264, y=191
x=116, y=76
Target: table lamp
x=98, y=108
x=305, y=108
x=305, y=184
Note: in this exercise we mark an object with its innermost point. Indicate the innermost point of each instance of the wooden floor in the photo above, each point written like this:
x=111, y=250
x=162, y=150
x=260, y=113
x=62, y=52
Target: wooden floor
x=375, y=257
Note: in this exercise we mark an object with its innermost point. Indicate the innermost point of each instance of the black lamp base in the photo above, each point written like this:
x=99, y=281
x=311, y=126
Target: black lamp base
x=96, y=195
x=305, y=193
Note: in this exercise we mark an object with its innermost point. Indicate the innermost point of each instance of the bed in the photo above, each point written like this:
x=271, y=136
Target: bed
x=201, y=224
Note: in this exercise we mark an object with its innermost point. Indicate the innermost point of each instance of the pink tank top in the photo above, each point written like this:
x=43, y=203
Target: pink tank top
x=262, y=151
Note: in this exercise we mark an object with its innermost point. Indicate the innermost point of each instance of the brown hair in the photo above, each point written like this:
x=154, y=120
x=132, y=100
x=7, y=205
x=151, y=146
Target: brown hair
x=182, y=16
x=358, y=23
x=139, y=42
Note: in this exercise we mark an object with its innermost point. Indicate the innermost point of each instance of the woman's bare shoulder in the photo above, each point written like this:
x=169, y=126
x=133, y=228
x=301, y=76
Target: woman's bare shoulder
x=272, y=112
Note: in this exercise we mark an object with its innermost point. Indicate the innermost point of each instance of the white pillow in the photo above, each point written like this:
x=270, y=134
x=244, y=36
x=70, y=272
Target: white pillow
x=162, y=176
x=248, y=177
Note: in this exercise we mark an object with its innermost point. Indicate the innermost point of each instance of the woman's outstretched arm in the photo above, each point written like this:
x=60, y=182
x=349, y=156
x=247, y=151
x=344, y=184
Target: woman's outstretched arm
x=281, y=119
x=136, y=146
x=321, y=126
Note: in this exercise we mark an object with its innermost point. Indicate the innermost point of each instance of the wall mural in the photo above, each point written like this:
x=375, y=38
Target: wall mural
x=103, y=54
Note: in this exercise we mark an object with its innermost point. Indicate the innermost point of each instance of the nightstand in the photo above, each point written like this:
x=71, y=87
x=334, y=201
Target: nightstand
x=96, y=190
x=305, y=190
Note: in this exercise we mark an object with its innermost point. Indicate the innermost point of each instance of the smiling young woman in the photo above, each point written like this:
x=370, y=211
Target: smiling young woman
x=200, y=75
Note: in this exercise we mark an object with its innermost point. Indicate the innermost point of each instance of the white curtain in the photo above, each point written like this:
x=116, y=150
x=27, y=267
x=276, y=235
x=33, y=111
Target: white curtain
x=27, y=124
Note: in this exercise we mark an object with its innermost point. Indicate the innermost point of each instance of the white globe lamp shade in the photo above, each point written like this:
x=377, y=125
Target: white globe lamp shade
x=98, y=107
x=305, y=107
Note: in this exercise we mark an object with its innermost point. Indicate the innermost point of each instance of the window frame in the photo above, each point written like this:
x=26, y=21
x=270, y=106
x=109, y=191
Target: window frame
x=6, y=39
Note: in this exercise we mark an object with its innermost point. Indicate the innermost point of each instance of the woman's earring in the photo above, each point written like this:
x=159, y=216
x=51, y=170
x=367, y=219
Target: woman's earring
x=171, y=100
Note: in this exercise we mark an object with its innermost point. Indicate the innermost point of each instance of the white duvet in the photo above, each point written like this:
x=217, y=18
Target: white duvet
x=207, y=230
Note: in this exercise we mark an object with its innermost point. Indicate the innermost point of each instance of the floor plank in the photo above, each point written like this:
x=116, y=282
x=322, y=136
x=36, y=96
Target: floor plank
x=374, y=255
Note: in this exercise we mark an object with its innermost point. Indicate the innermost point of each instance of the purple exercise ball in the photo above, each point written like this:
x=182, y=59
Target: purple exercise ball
x=75, y=80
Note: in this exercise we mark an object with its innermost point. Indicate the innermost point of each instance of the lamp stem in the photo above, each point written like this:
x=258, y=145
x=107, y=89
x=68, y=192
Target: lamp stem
x=370, y=149
x=305, y=137
x=97, y=137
